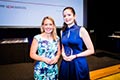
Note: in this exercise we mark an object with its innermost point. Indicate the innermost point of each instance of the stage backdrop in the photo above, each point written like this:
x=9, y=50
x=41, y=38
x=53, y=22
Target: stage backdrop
x=29, y=13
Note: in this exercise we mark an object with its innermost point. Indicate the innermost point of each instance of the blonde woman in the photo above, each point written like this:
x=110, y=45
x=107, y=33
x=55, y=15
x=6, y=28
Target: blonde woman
x=48, y=47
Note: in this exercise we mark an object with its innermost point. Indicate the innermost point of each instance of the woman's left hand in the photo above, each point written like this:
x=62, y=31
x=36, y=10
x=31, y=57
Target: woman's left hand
x=70, y=58
x=54, y=60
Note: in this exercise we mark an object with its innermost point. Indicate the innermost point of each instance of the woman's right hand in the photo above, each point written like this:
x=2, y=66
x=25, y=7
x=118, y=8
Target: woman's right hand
x=47, y=60
x=50, y=61
x=69, y=58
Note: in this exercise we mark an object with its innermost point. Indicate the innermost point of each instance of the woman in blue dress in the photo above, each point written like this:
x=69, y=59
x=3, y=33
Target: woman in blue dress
x=74, y=65
x=45, y=50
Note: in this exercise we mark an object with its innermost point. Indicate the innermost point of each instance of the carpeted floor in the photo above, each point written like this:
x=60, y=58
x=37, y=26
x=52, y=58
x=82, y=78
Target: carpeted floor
x=98, y=62
x=21, y=71
x=24, y=71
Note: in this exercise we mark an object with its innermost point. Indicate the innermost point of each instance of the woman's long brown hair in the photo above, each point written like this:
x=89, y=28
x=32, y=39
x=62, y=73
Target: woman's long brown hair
x=73, y=11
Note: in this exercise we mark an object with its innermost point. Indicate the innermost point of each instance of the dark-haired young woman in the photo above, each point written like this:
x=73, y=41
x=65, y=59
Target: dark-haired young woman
x=74, y=65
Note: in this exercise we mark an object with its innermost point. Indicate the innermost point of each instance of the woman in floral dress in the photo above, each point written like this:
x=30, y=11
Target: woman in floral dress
x=45, y=50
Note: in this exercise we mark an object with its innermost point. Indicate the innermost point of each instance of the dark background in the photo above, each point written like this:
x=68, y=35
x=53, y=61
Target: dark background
x=102, y=17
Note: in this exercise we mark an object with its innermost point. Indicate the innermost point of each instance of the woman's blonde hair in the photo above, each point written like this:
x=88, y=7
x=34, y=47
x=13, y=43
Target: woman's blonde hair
x=54, y=33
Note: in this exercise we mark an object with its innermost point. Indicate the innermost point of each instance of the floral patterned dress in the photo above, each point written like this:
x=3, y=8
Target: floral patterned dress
x=42, y=70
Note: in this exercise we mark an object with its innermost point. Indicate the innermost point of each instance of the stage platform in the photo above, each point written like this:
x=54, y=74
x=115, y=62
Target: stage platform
x=108, y=73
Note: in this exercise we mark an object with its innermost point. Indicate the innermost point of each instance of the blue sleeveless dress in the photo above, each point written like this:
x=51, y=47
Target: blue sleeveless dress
x=77, y=69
